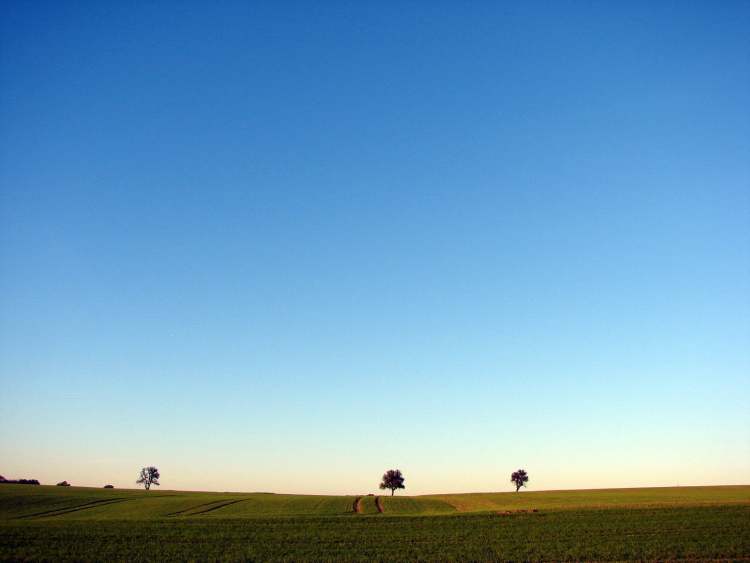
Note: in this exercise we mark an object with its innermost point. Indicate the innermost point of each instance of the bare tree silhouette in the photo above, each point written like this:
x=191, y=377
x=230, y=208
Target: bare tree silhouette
x=519, y=478
x=149, y=476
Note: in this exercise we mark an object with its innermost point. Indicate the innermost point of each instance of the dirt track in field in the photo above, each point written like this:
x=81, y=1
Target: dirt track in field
x=379, y=505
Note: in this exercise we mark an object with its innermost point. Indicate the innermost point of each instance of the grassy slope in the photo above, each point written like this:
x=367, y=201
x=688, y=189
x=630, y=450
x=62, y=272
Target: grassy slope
x=368, y=505
x=55, y=523
x=31, y=502
x=597, y=498
x=27, y=502
x=415, y=505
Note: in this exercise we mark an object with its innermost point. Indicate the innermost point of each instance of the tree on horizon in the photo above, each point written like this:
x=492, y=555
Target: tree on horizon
x=392, y=479
x=149, y=476
x=519, y=478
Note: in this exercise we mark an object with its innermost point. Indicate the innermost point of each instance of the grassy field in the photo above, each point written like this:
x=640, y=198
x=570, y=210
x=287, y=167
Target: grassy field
x=38, y=522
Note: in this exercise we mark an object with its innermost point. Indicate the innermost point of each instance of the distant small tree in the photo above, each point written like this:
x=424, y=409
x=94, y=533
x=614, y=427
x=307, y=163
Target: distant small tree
x=109, y=486
x=63, y=484
x=519, y=478
x=149, y=476
x=392, y=479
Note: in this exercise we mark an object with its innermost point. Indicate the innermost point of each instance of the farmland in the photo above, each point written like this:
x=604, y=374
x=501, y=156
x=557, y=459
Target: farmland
x=39, y=522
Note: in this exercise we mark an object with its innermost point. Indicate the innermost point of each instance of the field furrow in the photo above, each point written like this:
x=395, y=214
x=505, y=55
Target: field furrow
x=68, y=510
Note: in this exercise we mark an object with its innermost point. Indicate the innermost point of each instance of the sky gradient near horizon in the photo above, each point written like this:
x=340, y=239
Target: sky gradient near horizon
x=284, y=247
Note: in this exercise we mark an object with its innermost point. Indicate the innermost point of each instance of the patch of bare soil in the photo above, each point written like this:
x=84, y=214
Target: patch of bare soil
x=379, y=505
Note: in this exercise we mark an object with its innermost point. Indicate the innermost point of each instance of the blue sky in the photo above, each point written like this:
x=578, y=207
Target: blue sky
x=286, y=247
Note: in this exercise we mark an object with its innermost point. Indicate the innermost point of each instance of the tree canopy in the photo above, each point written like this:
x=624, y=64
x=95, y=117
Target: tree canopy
x=519, y=478
x=392, y=479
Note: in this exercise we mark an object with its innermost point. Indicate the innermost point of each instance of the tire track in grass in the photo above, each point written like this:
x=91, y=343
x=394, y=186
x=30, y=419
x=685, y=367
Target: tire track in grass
x=379, y=505
x=218, y=506
x=207, y=507
x=357, y=505
x=76, y=508
x=191, y=508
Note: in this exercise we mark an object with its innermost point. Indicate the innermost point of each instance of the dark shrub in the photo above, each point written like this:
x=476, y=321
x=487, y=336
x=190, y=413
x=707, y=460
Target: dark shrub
x=63, y=484
x=20, y=481
x=109, y=486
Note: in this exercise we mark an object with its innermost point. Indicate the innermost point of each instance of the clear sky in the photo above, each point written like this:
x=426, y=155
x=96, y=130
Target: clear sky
x=287, y=246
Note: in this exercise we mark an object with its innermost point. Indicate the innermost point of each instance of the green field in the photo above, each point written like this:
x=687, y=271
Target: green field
x=39, y=522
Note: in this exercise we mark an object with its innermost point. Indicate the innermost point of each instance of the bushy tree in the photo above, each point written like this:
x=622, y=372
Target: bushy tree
x=392, y=479
x=149, y=476
x=519, y=478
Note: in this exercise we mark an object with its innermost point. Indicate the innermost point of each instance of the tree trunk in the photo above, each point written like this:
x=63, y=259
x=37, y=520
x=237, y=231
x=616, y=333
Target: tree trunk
x=393, y=491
